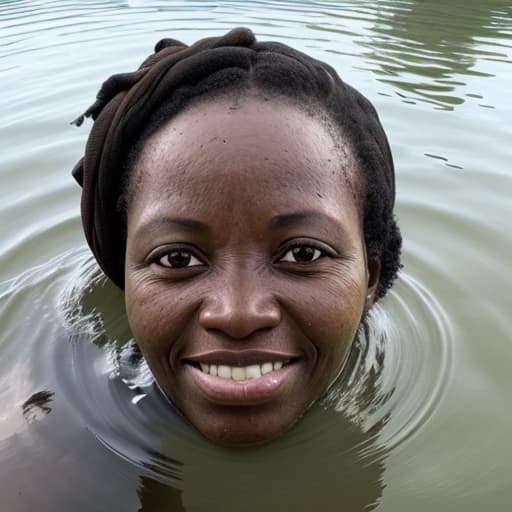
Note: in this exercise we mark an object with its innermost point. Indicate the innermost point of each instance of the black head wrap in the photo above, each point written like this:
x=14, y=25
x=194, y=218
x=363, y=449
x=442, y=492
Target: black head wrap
x=126, y=103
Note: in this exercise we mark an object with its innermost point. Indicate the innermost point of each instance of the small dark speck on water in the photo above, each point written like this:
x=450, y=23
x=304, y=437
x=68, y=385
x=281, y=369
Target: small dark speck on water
x=37, y=404
x=437, y=157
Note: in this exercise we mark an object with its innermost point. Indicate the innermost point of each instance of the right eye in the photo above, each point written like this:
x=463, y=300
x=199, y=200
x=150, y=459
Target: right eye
x=178, y=258
x=302, y=254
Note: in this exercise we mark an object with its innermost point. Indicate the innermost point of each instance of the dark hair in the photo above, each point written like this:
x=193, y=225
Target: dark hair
x=131, y=107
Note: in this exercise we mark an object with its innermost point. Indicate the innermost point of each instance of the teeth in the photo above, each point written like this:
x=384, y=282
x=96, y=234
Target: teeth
x=238, y=374
x=224, y=372
x=267, y=367
x=253, y=372
x=241, y=372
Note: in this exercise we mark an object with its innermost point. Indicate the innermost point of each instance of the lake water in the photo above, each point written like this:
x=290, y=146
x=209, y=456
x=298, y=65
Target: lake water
x=422, y=418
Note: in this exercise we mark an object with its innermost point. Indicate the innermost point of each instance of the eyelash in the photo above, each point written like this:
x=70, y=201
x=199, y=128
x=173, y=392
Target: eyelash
x=165, y=252
x=319, y=251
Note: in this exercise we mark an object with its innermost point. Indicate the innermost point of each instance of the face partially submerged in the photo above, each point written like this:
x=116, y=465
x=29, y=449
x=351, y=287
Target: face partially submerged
x=246, y=272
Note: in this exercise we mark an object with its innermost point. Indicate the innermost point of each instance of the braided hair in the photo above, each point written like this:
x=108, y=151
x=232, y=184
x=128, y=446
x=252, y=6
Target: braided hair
x=130, y=107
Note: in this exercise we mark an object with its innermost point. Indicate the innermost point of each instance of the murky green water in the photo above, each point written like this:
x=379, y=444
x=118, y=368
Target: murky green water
x=422, y=419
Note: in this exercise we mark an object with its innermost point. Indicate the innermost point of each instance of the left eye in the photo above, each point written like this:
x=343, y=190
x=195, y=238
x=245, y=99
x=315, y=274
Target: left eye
x=302, y=254
x=179, y=258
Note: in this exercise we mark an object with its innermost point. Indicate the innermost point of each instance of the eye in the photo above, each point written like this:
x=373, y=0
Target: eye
x=302, y=254
x=178, y=258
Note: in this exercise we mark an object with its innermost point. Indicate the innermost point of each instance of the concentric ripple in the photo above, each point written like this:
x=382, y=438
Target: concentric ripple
x=400, y=366
x=394, y=380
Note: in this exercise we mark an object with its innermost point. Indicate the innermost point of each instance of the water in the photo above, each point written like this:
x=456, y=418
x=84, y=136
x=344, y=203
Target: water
x=422, y=419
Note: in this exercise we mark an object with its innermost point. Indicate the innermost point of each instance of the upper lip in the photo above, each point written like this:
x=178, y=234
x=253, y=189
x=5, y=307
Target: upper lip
x=238, y=357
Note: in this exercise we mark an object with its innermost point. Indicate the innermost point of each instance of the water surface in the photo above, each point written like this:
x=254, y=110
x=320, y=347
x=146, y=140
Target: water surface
x=421, y=419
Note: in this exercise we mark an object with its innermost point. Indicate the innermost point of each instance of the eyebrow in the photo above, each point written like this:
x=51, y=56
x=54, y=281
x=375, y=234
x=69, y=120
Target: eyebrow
x=184, y=222
x=293, y=218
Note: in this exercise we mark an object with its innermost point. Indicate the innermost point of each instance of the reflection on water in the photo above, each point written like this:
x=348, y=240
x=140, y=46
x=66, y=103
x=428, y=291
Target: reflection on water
x=440, y=43
x=420, y=419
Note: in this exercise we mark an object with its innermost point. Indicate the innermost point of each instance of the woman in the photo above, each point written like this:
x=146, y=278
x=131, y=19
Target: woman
x=242, y=196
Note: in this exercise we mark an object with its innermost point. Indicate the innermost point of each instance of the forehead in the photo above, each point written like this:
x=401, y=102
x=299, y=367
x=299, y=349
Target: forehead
x=251, y=148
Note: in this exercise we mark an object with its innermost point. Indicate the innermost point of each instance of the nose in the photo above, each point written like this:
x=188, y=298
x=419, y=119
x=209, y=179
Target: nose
x=240, y=307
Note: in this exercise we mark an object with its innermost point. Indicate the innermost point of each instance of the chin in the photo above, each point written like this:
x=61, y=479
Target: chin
x=244, y=427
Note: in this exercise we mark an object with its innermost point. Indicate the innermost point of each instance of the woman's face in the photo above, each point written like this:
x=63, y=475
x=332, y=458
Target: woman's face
x=246, y=272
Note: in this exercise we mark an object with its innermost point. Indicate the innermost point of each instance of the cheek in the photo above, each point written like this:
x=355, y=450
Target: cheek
x=155, y=316
x=331, y=310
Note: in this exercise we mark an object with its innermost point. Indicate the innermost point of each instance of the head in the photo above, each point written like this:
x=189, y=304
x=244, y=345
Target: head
x=251, y=208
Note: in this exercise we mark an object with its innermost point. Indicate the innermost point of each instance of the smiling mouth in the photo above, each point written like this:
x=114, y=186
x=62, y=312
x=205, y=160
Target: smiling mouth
x=232, y=385
x=242, y=377
x=241, y=373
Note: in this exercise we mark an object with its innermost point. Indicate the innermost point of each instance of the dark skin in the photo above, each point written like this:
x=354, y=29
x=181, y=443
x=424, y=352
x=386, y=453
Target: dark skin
x=245, y=249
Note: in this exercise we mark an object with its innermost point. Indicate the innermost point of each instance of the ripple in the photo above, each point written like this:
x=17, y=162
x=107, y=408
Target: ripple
x=394, y=381
x=115, y=397
x=402, y=365
x=109, y=382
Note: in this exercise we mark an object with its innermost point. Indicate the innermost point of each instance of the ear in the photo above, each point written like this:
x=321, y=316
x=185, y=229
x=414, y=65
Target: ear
x=373, y=272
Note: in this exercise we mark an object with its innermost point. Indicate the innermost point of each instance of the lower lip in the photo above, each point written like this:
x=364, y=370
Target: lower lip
x=257, y=391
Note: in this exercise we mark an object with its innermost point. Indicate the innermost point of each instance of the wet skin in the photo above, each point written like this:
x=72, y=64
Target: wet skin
x=244, y=247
